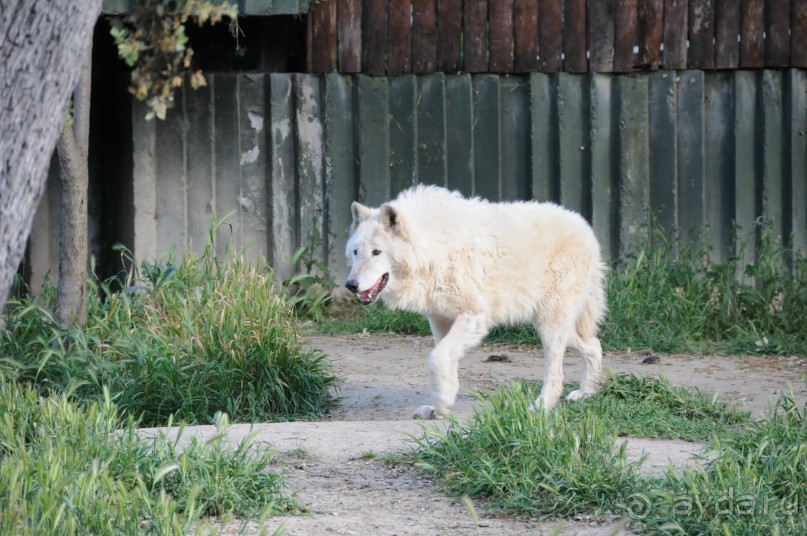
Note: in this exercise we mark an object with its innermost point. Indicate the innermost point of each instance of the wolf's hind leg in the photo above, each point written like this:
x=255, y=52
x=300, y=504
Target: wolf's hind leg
x=555, y=328
x=584, y=340
x=591, y=351
x=466, y=332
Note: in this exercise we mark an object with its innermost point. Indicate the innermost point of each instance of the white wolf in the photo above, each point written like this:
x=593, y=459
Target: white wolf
x=469, y=265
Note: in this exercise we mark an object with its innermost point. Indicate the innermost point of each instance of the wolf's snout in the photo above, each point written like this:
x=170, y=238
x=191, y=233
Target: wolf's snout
x=352, y=285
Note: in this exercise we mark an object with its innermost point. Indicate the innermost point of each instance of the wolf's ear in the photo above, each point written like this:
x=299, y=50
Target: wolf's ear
x=391, y=220
x=360, y=214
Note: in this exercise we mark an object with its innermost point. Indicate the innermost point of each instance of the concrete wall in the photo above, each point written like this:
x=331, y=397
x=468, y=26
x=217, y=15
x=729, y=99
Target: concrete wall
x=287, y=153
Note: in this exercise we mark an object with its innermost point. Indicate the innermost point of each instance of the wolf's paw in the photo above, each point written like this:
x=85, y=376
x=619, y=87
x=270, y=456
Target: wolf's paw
x=426, y=413
x=574, y=396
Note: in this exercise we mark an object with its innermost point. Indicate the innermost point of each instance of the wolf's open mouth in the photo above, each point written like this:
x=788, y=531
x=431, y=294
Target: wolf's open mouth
x=371, y=294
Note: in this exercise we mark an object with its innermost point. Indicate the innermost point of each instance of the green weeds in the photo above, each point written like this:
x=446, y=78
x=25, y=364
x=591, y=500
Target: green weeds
x=309, y=290
x=185, y=340
x=189, y=341
x=376, y=318
x=222, y=478
x=70, y=469
x=530, y=463
x=646, y=406
x=567, y=462
x=755, y=483
x=676, y=299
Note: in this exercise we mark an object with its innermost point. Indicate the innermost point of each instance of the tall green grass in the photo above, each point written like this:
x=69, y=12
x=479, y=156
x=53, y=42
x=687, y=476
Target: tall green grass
x=647, y=406
x=183, y=340
x=568, y=463
x=678, y=299
x=522, y=461
x=755, y=484
x=669, y=298
x=375, y=318
x=81, y=469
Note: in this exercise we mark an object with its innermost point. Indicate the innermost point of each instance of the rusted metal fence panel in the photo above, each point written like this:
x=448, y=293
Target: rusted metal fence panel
x=501, y=36
x=475, y=35
x=701, y=22
x=322, y=38
x=601, y=35
x=727, y=28
x=449, y=35
x=625, y=40
x=374, y=37
x=424, y=36
x=349, y=35
x=752, y=26
x=399, y=59
x=525, y=28
x=651, y=33
x=550, y=36
x=798, y=34
x=575, y=36
x=675, y=34
x=777, y=33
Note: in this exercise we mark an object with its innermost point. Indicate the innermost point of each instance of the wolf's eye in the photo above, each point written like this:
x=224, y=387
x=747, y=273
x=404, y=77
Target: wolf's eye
x=355, y=251
x=376, y=252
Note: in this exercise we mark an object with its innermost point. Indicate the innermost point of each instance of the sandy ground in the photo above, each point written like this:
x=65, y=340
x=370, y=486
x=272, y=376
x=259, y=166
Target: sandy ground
x=384, y=380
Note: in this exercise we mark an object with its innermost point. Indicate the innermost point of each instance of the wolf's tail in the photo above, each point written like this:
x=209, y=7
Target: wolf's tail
x=595, y=307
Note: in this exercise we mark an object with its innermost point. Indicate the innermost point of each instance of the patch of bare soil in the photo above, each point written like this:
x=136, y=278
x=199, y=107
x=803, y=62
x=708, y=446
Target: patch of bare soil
x=384, y=381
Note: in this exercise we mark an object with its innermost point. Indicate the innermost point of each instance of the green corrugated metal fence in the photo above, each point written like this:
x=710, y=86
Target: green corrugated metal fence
x=288, y=151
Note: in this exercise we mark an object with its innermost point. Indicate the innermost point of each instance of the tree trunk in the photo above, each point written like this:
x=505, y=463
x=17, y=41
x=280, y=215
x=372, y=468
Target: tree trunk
x=73, y=148
x=72, y=285
x=42, y=52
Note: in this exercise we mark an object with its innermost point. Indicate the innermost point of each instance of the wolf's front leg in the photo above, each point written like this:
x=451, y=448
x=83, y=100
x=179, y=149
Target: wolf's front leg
x=466, y=332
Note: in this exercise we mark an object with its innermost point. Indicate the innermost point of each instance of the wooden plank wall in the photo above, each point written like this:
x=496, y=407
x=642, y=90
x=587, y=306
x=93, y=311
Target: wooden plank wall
x=393, y=37
x=288, y=153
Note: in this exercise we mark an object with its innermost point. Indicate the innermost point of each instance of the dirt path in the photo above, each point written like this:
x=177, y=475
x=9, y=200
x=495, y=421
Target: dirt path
x=384, y=381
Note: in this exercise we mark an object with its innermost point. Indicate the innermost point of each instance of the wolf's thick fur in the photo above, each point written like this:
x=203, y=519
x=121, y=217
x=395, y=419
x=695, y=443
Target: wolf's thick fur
x=469, y=265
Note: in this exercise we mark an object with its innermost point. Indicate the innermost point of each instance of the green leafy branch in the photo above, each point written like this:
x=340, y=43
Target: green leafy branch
x=152, y=41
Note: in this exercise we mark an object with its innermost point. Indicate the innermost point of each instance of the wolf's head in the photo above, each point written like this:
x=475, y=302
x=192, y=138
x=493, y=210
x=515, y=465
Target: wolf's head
x=374, y=235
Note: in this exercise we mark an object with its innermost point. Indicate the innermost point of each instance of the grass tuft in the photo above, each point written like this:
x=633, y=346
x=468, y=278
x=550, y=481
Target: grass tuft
x=678, y=299
x=184, y=341
x=375, y=318
x=223, y=479
x=568, y=463
x=543, y=465
x=755, y=483
x=81, y=469
x=666, y=412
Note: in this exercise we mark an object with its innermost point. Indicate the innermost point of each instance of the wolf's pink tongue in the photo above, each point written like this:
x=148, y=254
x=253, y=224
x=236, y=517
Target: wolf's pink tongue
x=365, y=296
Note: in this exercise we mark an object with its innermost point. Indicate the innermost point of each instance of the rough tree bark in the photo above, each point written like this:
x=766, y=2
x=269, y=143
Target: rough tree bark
x=73, y=148
x=42, y=52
